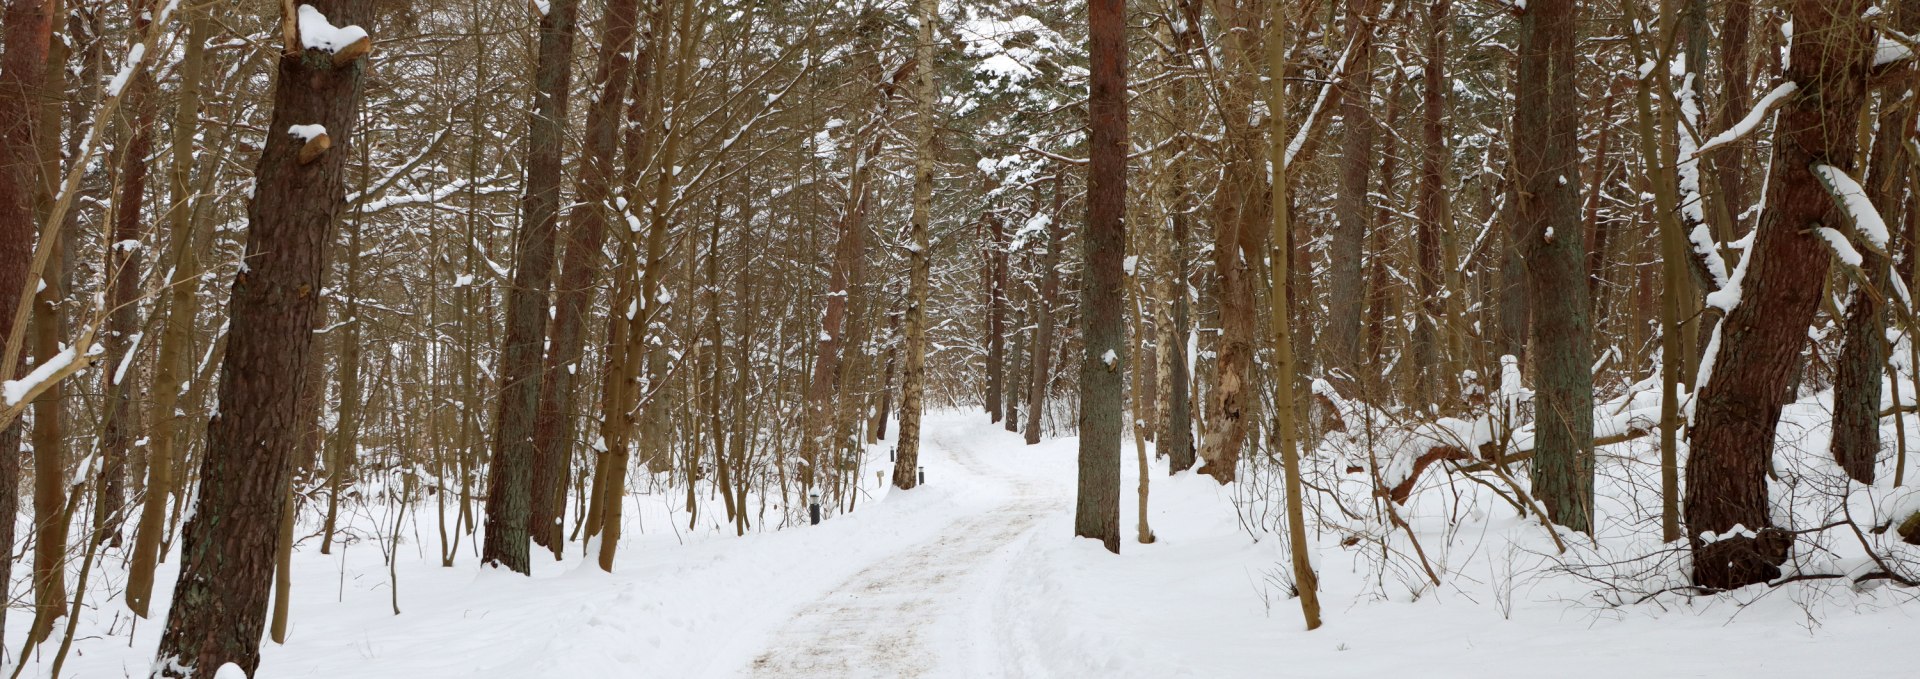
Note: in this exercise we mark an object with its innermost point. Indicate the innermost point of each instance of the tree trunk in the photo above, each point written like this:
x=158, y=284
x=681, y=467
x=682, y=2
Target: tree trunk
x=220, y=601
x=1759, y=341
x=1040, y=356
x=1346, y=289
x=1103, y=291
x=913, y=382
x=1429, y=377
x=1863, y=354
x=121, y=419
x=28, y=29
x=50, y=485
x=996, y=314
x=510, y=479
x=174, y=362
x=1306, y=582
x=1176, y=437
x=553, y=433
x=1546, y=163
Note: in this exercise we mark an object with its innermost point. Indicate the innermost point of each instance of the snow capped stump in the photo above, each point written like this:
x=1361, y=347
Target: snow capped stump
x=308, y=29
x=316, y=140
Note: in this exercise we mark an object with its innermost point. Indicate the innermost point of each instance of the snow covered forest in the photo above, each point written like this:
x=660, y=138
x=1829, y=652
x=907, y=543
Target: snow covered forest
x=984, y=338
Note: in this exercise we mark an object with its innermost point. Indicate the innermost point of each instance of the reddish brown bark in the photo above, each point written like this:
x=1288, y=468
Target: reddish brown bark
x=1760, y=341
x=553, y=433
x=28, y=28
x=219, y=604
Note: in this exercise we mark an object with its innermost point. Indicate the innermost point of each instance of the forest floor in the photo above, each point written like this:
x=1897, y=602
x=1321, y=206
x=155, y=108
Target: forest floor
x=974, y=575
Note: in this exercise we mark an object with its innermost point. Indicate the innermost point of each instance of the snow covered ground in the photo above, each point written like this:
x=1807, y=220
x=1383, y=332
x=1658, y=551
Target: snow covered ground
x=974, y=575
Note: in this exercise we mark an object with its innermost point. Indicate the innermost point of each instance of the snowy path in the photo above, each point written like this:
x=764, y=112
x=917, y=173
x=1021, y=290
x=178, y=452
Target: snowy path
x=882, y=622
x=974, y=576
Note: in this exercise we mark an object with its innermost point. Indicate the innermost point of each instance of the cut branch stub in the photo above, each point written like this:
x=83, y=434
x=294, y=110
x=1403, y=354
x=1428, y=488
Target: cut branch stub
x=290, y=26
x=316, y=145
x=347, y=54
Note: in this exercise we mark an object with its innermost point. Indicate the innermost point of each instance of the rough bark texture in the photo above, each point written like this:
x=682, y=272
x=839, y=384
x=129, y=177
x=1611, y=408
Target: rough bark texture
x=1433, y=206
x=220, y=601
x=1240, y=213
x=1729, y=168
x=1103, y=282
x=1176, y=435
x=1346, y=288
x=522, y=352
x=553, y=433
x=1546, y=164
x=1760, y=340
x=1863, y=355
x=913, y=381
x=28, y=27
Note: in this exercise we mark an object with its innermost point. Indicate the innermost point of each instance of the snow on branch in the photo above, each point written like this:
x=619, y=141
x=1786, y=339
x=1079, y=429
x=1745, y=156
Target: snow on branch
x=1852, y=200
x=1841, y=248
x=1752, y=120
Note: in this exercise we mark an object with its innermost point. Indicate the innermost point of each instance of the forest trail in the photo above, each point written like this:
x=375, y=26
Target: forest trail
x=908, y=614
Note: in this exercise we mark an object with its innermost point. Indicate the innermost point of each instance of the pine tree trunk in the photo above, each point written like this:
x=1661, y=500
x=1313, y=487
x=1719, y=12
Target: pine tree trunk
x=1346, y=290
x=996, y=315
x=1103, y=293
x=1546, y=163
x=522, y=352
x=28, y=28
x=1863, y=353
x=1429, y=377
x=219, y=605
x=1759, y=342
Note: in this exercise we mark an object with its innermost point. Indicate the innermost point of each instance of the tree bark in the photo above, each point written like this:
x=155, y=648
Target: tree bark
x=510, y=479
x=28, y=29
x=1759, y=341
x=50, y=484
x=1429, y=377
x=1346, y=289
x=1103, y=292
x=1863, y=353
x=220, y=601
x=1546, y=162
x=175, y=361
x=1040, y=356
x=1306, y=582
x=996, y=314
x=913, y=381
x=553, y=436
x=121, y=419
